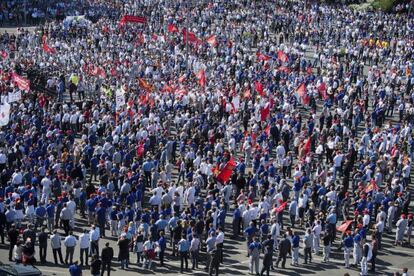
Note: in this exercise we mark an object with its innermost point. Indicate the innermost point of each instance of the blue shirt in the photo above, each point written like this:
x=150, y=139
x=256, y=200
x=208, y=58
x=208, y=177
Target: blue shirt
x=183, y=246
x=75, y=270
x=50, y=209
x=348, y=241
x=295, y=241
x=162, y=243
x=40, y=211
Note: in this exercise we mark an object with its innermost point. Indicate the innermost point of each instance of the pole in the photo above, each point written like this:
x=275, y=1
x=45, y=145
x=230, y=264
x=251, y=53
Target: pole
x=186, y=38
x=25, y=12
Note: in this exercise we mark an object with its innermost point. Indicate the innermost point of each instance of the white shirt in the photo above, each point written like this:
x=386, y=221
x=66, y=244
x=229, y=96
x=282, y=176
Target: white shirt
x=84, y=240
x=94, y=234
x=220, y=238
x=70, y=241
x=317, y=230
x=365, y=220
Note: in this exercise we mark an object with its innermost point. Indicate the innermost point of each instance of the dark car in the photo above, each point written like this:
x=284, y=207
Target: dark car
x=19, y=270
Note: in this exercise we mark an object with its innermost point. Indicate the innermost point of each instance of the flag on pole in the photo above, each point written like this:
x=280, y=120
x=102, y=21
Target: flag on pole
x=4, y=114
x=48, y=49
x=282, y=56
x=262, y=57
x=264, y=112
x=212, y=40
x=22, y=83
x=259, y=88
x=227, y=171
x=172, y=28
x=371, y=186
x=144, y=84
x=303, y=94
x=201, y=76
x=191, y=37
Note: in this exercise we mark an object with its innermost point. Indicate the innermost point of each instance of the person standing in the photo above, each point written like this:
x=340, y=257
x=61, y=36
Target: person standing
x=42, y=238
x=254, y=255
x=70, y=243
x=366, y=257
x=96, y=266
x=94, y=236
x=65, y=217
x=214, y=262
x=295, y=249
x=219, y=243
x=123, y=256
x=162, y=245
x=13, y=235
x=401, y=227
x=307, y=242
x=194, y=251
x=84, y=247
x=56, y=244
x=284, y=249
x=326, y=247
x=316, y=230
x=348, y=244
x=374, y=248
x=107, y=254
x=268, y=255
x=183, y=247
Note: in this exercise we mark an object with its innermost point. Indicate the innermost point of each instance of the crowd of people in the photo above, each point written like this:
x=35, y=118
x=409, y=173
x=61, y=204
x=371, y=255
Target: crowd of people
x=171, y=116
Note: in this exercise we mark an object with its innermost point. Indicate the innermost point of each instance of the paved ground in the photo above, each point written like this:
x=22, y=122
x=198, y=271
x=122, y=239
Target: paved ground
x=390, y=259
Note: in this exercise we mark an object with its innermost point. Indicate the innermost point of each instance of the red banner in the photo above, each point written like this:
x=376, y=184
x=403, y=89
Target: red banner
x=264, y=112
x=281, y=207
x=226, y=172
x=132, y=19
x=262, y=57
x=344, y=226
x=22, y=83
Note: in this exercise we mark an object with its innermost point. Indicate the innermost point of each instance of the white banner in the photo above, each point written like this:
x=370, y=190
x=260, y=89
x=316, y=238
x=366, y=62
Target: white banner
x=4, y=114
x=15, y=97
x=120, y=98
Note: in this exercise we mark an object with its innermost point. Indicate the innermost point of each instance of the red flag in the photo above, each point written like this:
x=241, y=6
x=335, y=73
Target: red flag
x=281, y=207
x=22, y=83
x=344, y=226
x=264, y=112
x=267, y=130
x=226, y=172
x=371, y=186
x=132, y=19
x=303, y=94
x=181, y=79
x=101, y=73
x=172, y=28
x=144, y=84
x=48, y=49
x=44, y=37
x=212, y=40
x=191, y=37
x=140, y=150
x=259, y=88
x=262, y=57
x=282, y=56
x=284, y=69
x=3, y=54
x=309, y=70
x=247, y=94
x=322, y=91
x=201, y=76
x=229, y=44
x=307, y=146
